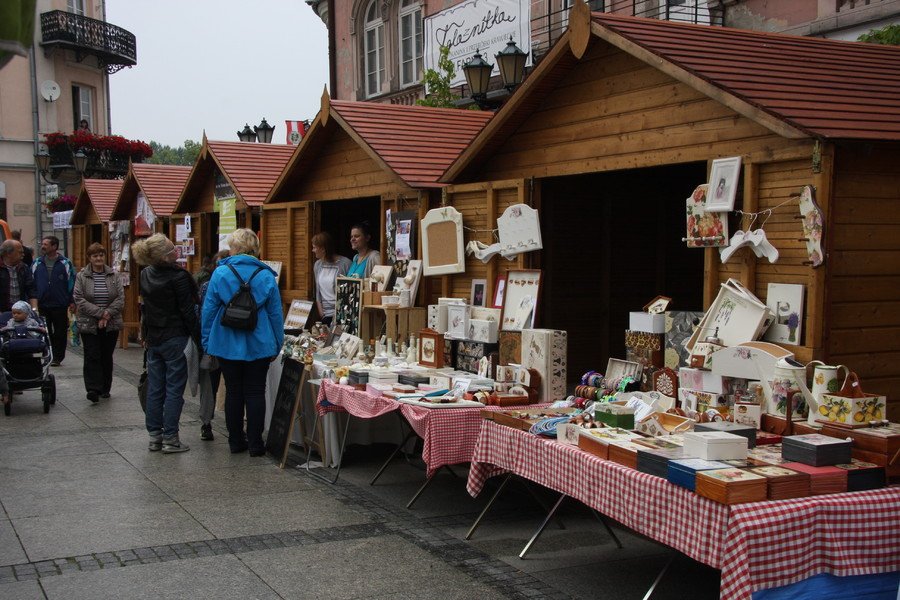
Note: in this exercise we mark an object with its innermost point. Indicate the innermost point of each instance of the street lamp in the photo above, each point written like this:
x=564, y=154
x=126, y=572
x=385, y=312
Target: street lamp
x=81, y=160
x=264, y=132
x=42, y=160
x=56, y=174
x=247, y=134
x=478, y=76
x=511, y=61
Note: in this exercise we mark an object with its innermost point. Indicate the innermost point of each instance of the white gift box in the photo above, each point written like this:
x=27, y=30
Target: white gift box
x=483, y=331
x=437, y=317
x=545, y=351
x=700, y=380
x=641, y=321
x=715, y=445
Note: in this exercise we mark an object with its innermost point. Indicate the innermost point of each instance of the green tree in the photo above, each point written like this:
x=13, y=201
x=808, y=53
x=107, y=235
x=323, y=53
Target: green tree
x=438, y=83
x=167, y=155
x=888, y=35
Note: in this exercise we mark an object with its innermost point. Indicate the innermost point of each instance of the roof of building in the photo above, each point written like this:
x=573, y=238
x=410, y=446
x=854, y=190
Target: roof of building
x=101, y=194
x=251, y=168
x=417, y=143
x=825, y=88
x=162, y=184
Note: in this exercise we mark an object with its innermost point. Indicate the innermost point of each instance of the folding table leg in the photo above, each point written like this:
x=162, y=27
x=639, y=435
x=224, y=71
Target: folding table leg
x=659, y=577
x=427, y=483
x=406, y=438
x=337, y=473
x=487, y=507
x=540, y=502
x=605, y=522
x=543, y=526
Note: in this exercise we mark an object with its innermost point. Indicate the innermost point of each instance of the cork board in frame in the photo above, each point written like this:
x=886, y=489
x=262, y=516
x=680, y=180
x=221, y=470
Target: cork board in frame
x=442, y=242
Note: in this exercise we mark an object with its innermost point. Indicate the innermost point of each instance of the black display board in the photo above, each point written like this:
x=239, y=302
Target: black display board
x=287, y=401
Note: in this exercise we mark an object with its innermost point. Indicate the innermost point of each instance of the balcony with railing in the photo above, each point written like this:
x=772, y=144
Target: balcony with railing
x=114, y=47
x=551, y=24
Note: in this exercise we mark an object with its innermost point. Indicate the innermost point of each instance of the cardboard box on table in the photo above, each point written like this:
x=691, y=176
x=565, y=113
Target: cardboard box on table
x=545, y=351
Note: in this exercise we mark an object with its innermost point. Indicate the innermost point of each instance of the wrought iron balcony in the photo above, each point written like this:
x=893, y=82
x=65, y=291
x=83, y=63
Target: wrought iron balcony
x=113, y=46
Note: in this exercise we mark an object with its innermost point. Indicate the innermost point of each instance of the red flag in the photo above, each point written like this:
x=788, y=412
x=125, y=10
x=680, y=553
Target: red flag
x=295, y=131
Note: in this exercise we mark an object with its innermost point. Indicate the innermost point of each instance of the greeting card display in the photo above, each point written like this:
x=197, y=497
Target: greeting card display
x=348, y=304
x=520, y=300
x=519, y=230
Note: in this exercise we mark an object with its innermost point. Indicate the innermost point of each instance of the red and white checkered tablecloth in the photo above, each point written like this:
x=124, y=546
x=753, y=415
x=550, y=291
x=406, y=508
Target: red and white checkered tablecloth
x=449, y=434
x=757, y=545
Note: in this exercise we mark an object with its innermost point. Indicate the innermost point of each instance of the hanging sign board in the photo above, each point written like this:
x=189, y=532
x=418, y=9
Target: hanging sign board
x=477, y=25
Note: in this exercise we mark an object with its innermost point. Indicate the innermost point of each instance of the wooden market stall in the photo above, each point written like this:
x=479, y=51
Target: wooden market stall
x=357, y=161
x=148, y=195
x=91, y=215
x=619, y=123
x=241, y=170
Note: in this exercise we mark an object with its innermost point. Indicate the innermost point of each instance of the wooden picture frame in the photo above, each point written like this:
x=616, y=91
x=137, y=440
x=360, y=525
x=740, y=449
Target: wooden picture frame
x=499, y=291
x=443, y=251
x=478, y=293
x=520, y=301
x=431, y=349
x=348, y=304
x=724, y=178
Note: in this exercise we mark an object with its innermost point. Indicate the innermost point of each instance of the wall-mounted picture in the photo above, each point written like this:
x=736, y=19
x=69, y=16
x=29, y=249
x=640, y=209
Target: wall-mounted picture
x=478, y=295
x=442, y=242
x=401, y=229
x=705, y=229
x=786, y=301
x=298, y=314
x=520, y=299
x=348, y=304
x=723, y=184
x=431, y=349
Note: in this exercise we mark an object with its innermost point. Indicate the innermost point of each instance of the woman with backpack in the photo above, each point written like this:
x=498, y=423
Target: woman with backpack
x=243, y=326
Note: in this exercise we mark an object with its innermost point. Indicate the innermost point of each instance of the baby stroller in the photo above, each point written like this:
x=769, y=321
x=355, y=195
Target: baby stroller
x=25, y=357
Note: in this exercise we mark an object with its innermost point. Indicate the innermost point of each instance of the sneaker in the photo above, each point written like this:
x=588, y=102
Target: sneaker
x=93, y=397
x=174, y=445
x=156, y=444
x=206, y=433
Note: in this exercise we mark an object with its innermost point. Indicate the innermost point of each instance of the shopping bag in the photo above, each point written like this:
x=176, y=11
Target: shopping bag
x=142, y=386
x=74, y=338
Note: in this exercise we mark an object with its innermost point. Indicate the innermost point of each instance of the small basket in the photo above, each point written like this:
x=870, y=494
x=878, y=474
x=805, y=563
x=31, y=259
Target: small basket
x=851, y=407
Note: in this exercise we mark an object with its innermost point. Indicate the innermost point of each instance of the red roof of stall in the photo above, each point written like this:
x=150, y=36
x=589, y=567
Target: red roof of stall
x=251, y=168
x=825, y=88
x=102, y=194
x=161, y=184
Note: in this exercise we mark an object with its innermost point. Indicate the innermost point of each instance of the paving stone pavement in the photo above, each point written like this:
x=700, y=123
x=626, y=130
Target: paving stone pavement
x=87, y=512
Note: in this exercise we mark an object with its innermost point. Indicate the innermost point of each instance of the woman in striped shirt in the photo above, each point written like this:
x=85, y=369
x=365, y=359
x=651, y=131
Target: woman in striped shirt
x=99, y=300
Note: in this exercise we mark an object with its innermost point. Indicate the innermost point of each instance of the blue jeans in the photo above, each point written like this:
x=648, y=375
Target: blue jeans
x=166, y=379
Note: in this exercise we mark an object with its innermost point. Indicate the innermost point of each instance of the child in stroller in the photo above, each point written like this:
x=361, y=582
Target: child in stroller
x=25, y=356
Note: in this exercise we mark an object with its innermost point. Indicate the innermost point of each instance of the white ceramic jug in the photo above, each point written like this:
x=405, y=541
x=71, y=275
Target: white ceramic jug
x=826, y=380
x=790, y=379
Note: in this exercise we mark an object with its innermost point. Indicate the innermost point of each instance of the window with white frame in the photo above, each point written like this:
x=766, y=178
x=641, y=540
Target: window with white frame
x=82, y=106
x=411, y=42
x=374, y=50
x=75, y=7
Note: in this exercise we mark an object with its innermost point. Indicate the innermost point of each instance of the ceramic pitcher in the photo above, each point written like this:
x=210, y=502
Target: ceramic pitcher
x=789, y=380
x=826, y=380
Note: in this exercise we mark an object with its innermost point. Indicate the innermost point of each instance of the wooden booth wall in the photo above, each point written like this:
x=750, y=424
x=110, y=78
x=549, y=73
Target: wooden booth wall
x=863, y=268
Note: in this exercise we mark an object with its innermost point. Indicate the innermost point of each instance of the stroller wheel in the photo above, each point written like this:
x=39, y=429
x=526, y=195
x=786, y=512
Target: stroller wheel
x=52, y=385
x=45, y=396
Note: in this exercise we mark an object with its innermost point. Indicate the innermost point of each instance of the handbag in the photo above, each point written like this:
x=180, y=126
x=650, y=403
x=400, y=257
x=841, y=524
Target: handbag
x=142, y=386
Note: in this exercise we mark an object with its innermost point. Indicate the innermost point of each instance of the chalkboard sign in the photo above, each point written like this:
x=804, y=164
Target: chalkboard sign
x=287, y=401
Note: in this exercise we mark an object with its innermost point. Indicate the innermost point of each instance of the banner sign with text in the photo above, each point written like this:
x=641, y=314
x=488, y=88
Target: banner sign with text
x=477, y=25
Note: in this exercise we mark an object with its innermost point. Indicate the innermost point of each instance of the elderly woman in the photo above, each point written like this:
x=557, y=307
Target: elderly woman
x=244, y=354
x=168, y=320
x=99, y=299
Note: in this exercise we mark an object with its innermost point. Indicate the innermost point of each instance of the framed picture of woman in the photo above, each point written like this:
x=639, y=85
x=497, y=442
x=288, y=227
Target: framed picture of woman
x=723, y=184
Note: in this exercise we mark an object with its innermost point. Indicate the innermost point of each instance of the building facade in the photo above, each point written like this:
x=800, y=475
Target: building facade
x=63, y=81
x=379, y=48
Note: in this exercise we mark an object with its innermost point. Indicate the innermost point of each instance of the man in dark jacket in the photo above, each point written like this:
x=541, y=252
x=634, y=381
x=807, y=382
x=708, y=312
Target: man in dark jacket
x=16, y=282
x=54, y=276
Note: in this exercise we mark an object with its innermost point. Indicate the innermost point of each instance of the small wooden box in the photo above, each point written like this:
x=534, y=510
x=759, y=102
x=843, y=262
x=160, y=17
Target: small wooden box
x=855, y=412
x=597, y=441
x=714, y=445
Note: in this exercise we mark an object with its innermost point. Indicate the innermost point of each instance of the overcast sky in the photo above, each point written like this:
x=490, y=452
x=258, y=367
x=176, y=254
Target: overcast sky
x=216, y=65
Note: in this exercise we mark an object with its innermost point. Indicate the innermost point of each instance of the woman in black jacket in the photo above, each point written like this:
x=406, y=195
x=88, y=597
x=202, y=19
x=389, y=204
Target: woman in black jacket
x=168, y=321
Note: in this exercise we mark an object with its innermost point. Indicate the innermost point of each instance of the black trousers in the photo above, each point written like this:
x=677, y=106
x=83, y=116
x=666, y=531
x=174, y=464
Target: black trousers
x=58, y=328
x=245, y=390
x=98, y=360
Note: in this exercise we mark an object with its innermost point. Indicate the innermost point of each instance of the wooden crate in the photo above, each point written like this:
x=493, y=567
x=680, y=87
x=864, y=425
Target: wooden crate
x=401, y=322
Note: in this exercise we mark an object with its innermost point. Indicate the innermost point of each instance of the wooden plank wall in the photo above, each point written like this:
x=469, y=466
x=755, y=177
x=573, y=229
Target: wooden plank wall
x=80, y=243
x=863, y=296
x=613, y=112
x=286, y=237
